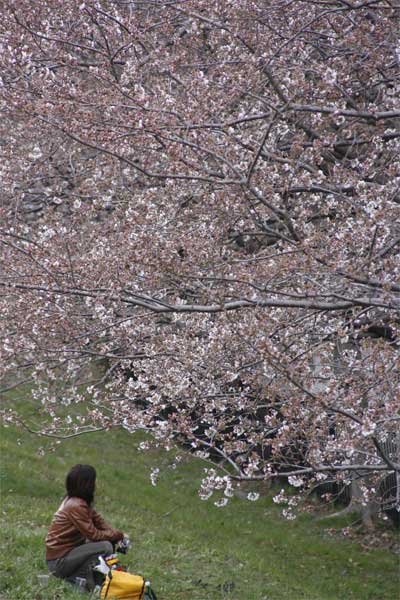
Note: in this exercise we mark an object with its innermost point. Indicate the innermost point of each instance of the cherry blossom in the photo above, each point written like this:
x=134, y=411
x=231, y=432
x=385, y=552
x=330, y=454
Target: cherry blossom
x=199, y=230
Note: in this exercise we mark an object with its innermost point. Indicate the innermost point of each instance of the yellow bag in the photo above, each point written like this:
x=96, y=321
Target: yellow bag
x=121, y=585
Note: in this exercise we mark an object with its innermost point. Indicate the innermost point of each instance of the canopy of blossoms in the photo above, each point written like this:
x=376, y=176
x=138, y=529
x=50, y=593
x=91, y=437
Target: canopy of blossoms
x=199, y=220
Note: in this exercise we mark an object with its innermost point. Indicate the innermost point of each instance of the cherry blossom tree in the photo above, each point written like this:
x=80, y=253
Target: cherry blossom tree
x=200, y=222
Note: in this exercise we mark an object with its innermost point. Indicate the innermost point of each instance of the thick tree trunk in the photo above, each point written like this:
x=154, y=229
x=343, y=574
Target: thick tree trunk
x=367, y=511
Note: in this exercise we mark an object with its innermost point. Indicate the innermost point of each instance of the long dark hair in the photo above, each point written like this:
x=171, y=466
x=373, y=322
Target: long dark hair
x=81, y=482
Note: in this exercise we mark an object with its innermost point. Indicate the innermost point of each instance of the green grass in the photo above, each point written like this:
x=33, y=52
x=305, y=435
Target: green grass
x=188, y=548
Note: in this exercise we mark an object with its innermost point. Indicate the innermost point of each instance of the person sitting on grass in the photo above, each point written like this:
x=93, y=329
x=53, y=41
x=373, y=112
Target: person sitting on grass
x=78, y=534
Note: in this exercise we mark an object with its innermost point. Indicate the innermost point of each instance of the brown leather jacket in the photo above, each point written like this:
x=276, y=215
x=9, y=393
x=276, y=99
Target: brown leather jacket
x=73, y=524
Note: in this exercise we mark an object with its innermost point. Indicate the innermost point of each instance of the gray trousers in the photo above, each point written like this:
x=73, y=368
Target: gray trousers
x=80, y=561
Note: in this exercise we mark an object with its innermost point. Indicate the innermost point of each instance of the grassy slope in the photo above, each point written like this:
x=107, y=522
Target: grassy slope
x=190, y=549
